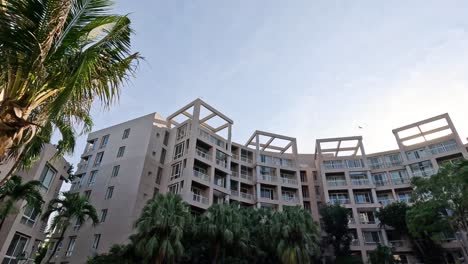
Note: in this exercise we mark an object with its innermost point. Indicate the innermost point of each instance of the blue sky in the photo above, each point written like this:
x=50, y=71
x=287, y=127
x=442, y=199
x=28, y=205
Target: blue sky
x=308, y=69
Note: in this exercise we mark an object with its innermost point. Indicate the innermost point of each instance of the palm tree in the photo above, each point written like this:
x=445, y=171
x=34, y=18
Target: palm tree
x=13, y=191
x=160, y=228
x=296, y=235
x=70, y=206
x=223, y=226
x=56, y=58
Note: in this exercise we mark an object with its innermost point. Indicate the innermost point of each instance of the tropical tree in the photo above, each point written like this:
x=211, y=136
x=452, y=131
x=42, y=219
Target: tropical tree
x=335, y=223
x=381, y=255
x=296, y=235
x=121, y=254
x=14, y=191
x=223, y=227
x=56, y=58
x=160, y=229
x=70, y=206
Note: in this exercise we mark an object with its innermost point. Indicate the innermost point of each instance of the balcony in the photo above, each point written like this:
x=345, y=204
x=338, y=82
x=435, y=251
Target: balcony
x=82, y=166
x=221, y=163
x=246, y=177
x=381, y=182
x=424, y=173
x=268, y=178
x=386, y=202
x=234, y=193
x=235, y=156
x=401, y=181
x=200, y=198
x=289, y=181
x=234, y=174
x=334, y=166
x=355, y=242
x=339, y=201
x=375, y=166
x=247, y=196
x=203, y=153
x=290, y=199
x=443, y=149
x=201, y=175
x=399, y=243
x=246, y=159
x=335, y=183
x=359, y=182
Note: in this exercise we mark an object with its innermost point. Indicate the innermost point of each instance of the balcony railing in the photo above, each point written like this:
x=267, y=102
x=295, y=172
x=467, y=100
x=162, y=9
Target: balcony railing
x=443, y=149
x=246, y=159
x=375, y=166
x=247, y=196
x=336, y=183
x=235, y=174
x=269, y=178
x=386, y=202
x=82, y=166
x=358, y=182
x=399, y=243
x=290, y=199
x=367, y=222
x=404, y=199
x=400, y=181
x=221, y=163
x=380, y=182
x=334, y=166
x=424, y=173
x=235, y=193
x=220, y=182
x=339, y=201
x=202, y=153
x=199, y=198
x=201, y=175
x=247, y=177
x=355, y=242
x=289, y=181
x=235, y=156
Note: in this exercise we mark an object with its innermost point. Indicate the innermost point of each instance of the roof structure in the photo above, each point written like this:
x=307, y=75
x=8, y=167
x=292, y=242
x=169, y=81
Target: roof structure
x=272, y=142
x=340, y=147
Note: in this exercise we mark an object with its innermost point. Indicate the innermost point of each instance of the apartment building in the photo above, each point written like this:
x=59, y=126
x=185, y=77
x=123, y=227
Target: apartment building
x=364, y=183
x=191, y=153
x=23, y=232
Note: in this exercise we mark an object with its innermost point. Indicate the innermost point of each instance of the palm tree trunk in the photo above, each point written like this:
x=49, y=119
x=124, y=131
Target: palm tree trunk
x=217, y=249
x=62, y=234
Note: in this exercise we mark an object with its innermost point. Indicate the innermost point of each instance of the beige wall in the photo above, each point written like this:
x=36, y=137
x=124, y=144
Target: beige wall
x=35, y=232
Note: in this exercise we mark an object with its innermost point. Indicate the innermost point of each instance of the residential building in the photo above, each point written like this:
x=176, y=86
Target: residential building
x=23, y=232
x=191, y=153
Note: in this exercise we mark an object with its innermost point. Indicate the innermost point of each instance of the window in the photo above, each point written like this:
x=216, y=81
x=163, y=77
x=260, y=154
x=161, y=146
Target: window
x=315, y=175
x=98, y=159
x=303, y=175
x=104, y=141
x=17, y=246
x=179, y=150
x=371, y=237
x=166, y=138
x=399, y=177
x=175, y=188
x=163, y=156
x=92, y=178
x=87, y=194
x=159, y=175
x=416, y=154
x=71, y=246
x=176, y=170
x=103, y=216
x=121, y=152
x=357, y=163
x=30, y=215
x=126, y=133
x=380, y=179
x=422, y=169
x=305, y=191
x=307, y=206
x=362, y=198
x=115, y=170
x=77, y=225
x=109, y=192
x=181, y=132
x=97, y=237
x=47, y=176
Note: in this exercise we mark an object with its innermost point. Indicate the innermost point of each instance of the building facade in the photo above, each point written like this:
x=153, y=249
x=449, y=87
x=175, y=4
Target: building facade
x=191, y=153
x=23, y=232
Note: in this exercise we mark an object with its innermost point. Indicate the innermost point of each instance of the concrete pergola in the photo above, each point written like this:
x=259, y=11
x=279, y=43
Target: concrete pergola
x=340, y=151
x=192, y=111
x=425, y=130
x=269, y=145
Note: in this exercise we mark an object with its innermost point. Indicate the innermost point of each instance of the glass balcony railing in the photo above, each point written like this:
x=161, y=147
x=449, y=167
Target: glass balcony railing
x=201, y=175
x=381, y=182
x=358, y=182
x=199, y=198
x=290, y=199
x=336, y=183
x=202, y=153
x=443, y=149
x=234, y=174
x=246, y=159
x=385, y=202
x=289, y=181
x=246, y=176
x=424, y=173
x=339, y=201
x=268, y=178
x=400, y=181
